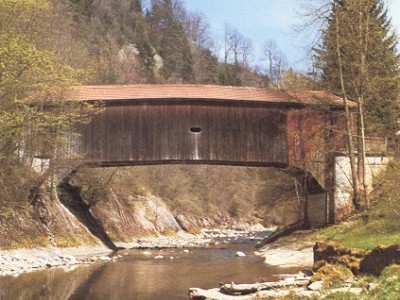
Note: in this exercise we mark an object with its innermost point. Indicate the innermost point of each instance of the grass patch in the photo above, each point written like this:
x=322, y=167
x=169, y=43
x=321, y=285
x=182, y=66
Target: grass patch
x=379, y=226
x=359, y=235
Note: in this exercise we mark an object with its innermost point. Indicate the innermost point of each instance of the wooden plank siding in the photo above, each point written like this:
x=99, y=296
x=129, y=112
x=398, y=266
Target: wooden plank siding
x=154, y=132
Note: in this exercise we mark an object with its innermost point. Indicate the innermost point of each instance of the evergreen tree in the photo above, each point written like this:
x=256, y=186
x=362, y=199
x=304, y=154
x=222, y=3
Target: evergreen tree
x=364, y=26
x=169, y=38
x=229, y=74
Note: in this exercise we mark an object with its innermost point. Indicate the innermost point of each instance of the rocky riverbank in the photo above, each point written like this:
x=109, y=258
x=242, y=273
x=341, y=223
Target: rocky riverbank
x=19, y=261
x=288, y=256
x=301, y=285
x=329, y=269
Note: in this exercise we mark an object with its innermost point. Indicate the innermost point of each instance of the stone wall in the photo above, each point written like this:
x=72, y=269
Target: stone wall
x=342, y=181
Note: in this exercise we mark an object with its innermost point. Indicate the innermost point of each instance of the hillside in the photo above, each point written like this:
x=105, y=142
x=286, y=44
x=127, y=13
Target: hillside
x=110, y=42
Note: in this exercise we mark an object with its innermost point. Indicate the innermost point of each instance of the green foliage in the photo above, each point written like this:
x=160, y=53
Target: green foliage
x=378, y=226
x=169, y=38
x=342, y=296
x=29, y=75
x=170, y=44
x=387, y=287
x=33, y=77
x=381, y=83
x=228, y=74
x=357, y=234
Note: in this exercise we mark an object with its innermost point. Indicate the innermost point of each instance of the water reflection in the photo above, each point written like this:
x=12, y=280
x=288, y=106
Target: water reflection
x=138, y=277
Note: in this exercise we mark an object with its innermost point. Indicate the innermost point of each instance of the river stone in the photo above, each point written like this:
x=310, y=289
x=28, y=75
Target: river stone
x=316, y=286
x=104, y=258
x=159, y=257
x=240, y=254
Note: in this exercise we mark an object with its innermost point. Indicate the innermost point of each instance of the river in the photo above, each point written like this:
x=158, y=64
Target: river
x=138, y=275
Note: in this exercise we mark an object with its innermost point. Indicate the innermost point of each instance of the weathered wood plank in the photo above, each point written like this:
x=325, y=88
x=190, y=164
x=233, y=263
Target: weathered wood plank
x=151, y=132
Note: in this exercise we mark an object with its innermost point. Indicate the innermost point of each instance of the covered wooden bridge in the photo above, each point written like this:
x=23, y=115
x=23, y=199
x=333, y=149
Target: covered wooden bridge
x=204, y=124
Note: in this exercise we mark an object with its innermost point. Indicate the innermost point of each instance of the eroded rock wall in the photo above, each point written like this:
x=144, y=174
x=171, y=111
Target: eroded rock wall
x=43, y=222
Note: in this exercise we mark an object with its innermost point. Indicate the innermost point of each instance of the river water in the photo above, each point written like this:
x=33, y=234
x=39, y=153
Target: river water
x=140, y=276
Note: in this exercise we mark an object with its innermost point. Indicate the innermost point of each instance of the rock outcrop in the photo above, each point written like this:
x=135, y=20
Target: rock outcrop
x=333, y=253
x=379, y=258
x=134, y=216
x=358, y=261
x=43, y=222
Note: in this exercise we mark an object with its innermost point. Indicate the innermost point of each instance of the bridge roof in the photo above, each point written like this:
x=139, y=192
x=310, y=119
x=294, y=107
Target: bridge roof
x=195, y=92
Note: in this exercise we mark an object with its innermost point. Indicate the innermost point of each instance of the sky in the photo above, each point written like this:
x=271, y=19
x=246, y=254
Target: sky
x=263, y=20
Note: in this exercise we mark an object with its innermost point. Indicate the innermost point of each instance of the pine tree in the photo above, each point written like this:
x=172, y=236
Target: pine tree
x=169, y=38
x=364, y=26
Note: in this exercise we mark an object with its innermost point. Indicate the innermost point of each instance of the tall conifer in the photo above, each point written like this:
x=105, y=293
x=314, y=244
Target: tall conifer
x=169, y=38
x=366, y=21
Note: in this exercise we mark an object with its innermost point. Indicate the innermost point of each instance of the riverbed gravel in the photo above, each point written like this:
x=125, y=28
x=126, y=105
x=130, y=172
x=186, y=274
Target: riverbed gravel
x=19, y=261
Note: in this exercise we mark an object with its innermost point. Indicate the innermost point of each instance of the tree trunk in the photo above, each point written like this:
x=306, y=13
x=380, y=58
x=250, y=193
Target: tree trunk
x=350, y=146
x=363, y=86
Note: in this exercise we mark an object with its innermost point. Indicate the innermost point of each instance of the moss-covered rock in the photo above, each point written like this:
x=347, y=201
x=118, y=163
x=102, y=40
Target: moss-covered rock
x=379, y=258
x=332, y=275
x=358, y=261
x=334, y=253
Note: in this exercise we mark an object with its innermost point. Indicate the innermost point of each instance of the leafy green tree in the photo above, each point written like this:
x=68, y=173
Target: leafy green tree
x=32, y=80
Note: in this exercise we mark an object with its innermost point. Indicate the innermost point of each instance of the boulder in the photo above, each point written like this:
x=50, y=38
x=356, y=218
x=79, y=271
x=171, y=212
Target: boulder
x=333, y=253
x=358, y=261
x=240, y=254
x=316, y=286
x=378, y=259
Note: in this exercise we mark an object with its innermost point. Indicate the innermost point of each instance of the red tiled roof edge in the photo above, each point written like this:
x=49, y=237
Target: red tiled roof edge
x=209, y=92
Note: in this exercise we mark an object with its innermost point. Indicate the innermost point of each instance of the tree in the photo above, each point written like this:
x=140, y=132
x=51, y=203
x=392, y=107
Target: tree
x=238, y=49
x=358, y=59
x=277, y=62
x=31, y=77
x=168, y=36
x=236, y=69
x=370, y=60
x=292, y=80
x=205, y=62
x=115, y=29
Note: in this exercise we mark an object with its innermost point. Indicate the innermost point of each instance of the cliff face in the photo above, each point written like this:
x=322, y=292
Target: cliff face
x=133, y=216
x=118, y=205
x=42, y=223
